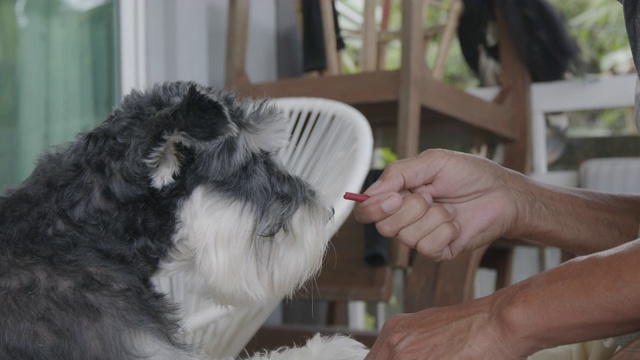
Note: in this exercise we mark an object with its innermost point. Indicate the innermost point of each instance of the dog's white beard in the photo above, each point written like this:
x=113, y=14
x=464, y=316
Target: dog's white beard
x=215, y=240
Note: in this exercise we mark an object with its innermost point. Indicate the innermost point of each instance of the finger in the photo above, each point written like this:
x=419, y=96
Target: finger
x=424, y=191
x=413, y=208
x=436, y=215
x=377, y=207
x=410, y=173
x=436, y=245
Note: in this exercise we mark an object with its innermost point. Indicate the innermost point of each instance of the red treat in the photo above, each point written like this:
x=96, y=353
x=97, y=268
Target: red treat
x=355, y=197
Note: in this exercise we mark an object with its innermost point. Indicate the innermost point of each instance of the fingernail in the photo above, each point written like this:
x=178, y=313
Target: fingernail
x=391, y=204
x=427, y=197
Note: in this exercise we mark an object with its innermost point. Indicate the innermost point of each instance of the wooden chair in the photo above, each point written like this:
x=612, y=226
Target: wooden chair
x=376, y=38
x=408, y=101
x=408, y=92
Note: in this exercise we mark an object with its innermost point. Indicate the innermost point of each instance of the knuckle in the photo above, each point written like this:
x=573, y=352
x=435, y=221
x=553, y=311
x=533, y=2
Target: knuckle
x=436, y=246
x=392, y=168
x=387, y=230
x=407, y=238
x=392, y=321
x=395, y=332
x=440, y=212
x=395, y=340
x=450, y=231
x=426, y=249
x=416, y=203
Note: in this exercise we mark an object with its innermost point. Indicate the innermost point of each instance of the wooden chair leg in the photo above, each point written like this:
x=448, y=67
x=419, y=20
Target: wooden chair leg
x=331, y=49
x=447, y=38
x=369, y=38
x=500, y=260
x=443, y=283
x=337, y=313
x=384, y=26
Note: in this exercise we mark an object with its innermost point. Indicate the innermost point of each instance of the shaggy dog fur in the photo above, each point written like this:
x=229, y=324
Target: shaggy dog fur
x=180, y=177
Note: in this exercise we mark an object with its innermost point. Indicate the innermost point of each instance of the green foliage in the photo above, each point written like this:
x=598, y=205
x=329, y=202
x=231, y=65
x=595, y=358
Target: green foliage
x=598, y=27
x=456, y=72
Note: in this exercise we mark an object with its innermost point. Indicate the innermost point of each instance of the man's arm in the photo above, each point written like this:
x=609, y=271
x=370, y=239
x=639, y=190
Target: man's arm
x=587, y=298
x=484, y=202
x=577, y=220
x=590, y=297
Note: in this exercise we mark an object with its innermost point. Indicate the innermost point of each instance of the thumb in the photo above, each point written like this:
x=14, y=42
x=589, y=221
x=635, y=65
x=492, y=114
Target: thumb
x=410, y=173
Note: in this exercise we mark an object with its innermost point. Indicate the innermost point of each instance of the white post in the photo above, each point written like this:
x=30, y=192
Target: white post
x=356, y=314
x=133, y=45
x=539, y=141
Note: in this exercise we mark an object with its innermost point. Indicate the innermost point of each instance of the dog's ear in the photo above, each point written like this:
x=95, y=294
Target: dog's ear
x=201, y=117
x=264, y=129
x=197, y=118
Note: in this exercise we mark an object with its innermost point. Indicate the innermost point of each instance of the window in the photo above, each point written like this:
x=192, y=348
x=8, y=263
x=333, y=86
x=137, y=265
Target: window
x=58, y=76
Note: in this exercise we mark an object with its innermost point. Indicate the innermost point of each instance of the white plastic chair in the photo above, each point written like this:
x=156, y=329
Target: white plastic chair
x=331, y=147
x=618, y=175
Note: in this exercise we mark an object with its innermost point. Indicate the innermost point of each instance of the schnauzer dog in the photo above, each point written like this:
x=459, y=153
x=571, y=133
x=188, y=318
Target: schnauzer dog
x=180, y=177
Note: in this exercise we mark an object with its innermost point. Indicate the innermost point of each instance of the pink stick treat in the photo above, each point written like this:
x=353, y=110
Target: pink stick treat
x=355, y=197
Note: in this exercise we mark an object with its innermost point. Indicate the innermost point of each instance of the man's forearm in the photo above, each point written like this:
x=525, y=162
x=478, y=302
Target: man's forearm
x=577, y=220
x=591, y=297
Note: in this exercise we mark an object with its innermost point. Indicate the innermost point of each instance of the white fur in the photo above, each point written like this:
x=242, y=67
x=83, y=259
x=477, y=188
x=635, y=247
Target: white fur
x=165, y=160
x=319, y=348
x=215, y=240
x=149, y=347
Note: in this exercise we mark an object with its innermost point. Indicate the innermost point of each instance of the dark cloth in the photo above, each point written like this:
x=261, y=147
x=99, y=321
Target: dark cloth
x=538, y=34
x=314, y=54
x=376, y=246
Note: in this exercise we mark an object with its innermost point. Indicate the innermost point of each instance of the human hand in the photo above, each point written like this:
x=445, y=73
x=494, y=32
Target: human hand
x=465, y=331
x=442, y=203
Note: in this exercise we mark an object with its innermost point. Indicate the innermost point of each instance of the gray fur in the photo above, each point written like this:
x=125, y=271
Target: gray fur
x=81, y=237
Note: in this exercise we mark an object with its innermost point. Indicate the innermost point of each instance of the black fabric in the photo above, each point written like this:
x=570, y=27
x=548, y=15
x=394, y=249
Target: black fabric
x=314, y=55
x=376, y=246
x=538, y=33
x=472, y=31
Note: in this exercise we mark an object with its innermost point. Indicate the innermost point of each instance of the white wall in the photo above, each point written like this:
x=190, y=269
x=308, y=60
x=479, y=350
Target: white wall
x=186, y=40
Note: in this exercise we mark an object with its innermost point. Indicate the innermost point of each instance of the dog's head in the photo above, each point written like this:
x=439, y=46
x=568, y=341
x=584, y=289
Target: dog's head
x=245, y=227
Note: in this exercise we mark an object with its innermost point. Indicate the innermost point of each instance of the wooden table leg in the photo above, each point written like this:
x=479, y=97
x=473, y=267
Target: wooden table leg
x=237, y=36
